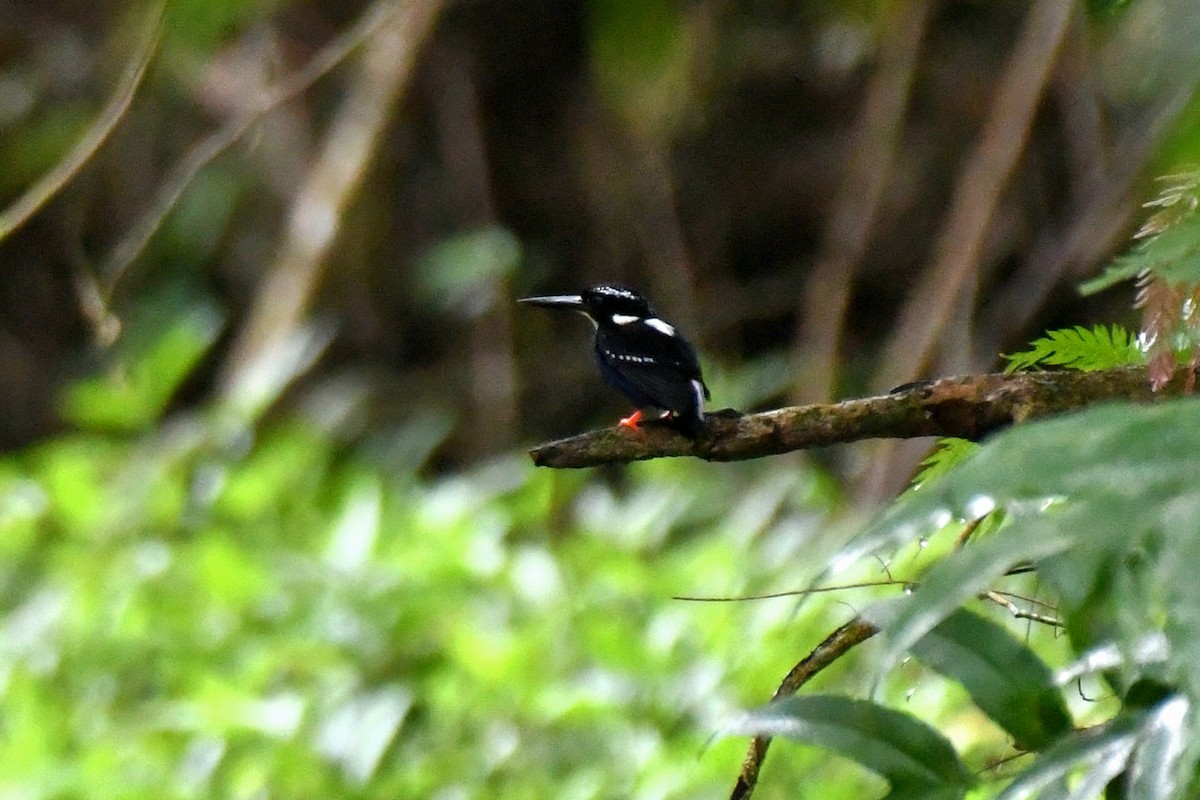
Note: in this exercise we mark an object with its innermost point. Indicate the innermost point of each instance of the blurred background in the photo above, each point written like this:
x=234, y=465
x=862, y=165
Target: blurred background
x=268, y=528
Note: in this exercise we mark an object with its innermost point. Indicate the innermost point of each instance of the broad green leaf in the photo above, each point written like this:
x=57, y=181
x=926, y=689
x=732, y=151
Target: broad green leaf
x=897, y=746
x=1102, y=502
x=1093, y=757
x=1005, y=678
x=1100, y=474
x=1154, y=771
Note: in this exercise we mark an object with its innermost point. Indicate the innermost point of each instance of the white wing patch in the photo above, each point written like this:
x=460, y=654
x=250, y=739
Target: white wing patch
x=658, y=325
x=624, y=319
x=698, y=388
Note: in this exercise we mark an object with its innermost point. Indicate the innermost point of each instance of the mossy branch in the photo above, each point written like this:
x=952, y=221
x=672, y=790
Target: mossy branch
x=967, y=407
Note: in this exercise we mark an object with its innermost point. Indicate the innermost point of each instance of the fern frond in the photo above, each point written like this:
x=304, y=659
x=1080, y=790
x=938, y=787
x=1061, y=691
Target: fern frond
x=1102, y=347
x=948, y=453
x=1168, y=241
x=1121, y=269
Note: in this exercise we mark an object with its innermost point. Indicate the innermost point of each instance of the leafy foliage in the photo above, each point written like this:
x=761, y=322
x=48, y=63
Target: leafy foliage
x=1166, y=263
x=1095, y=501
x=208, y=604
x=1004, y=677
x=914, y=758
x=1102, y=347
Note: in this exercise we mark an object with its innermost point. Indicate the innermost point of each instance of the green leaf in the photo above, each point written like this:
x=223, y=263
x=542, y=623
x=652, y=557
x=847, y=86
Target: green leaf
x=463, y=272
x=1173, y=254
x=1092, y=757
x=948, y=453
x=1154, y=771
x=1101, y=502
x=1124, y=268
x=901, y=748
x=1005, y=678
x=157, y=352
x=958, y=578
x=1079, y=348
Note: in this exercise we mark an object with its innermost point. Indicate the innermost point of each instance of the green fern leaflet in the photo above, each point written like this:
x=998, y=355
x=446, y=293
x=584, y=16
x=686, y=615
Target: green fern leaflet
x=950, y=451
x=1102, y=347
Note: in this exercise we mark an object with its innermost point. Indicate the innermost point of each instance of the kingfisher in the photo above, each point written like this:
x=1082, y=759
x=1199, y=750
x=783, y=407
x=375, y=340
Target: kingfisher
x=640, y=355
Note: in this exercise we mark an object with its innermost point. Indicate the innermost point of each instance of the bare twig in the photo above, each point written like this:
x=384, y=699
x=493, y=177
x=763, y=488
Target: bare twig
x=96, y=134
x=966, y=407
x=1001, y=599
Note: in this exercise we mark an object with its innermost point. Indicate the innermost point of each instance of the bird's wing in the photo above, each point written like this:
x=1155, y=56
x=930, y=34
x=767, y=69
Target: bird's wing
x=654, y=366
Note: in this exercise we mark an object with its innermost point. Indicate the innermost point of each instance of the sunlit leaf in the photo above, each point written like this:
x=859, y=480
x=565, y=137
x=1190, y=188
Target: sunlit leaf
x=948, y=453
x=959, y=578
x=1102, y=347
x=1089, y=500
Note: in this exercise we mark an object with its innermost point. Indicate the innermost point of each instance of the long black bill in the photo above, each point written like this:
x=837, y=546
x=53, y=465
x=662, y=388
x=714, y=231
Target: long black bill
x=567, y=302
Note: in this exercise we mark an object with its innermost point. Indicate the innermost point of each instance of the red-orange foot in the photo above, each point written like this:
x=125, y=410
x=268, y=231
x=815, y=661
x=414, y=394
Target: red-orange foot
x=632, y=420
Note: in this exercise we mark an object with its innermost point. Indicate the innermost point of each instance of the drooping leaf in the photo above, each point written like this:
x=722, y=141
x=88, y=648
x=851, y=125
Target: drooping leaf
x=1005, y=678
x=897, y=746
x=1092, y=757
x=1154, y=770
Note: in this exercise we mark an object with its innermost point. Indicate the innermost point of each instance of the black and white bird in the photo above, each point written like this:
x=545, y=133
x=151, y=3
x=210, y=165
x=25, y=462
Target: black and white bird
x=640, y=355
